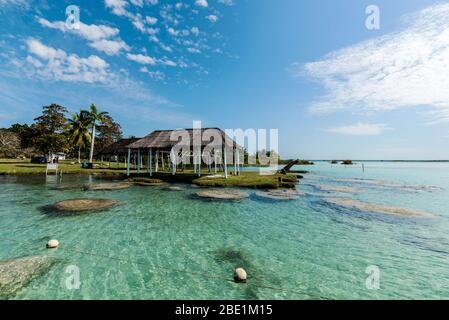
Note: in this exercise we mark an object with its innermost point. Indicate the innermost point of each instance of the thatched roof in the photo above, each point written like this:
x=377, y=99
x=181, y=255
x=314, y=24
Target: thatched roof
x=166, y=139
x=119, y=147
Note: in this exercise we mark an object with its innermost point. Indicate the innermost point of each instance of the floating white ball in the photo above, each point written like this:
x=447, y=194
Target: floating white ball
x=240, y=275
x=52, y=244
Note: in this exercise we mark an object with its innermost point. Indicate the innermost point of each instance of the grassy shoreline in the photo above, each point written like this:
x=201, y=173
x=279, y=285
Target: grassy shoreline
x=244, y=180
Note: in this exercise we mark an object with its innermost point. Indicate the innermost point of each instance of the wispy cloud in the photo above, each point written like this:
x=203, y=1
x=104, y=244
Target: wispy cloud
x=202, y=3
x=101, y=37
x=20, y=3
x=227, y=2
x=407, y=68
x=212, y=18
x=140, y=58
x=55, y=64
x=360, y=129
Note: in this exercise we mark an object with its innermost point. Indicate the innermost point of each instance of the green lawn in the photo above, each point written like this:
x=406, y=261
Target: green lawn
x=19, y=167
x=249, y=180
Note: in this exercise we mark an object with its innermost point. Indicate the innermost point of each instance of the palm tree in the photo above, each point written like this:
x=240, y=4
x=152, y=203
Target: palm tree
x=94, y=116
x=78, y=128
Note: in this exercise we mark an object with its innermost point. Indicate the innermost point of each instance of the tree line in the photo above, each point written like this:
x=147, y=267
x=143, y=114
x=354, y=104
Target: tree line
x=79, y=134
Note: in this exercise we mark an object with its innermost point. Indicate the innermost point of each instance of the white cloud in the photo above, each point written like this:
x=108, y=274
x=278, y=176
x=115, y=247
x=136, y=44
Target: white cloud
x=22, y=3
x=138, y=3
x=110, y=47
x=166, y=48
x=118, y=6
x=158, y=75
x=202, y=3
x=195, y=31
x=90, y=32
x=56, y=64
x=151, y=20
x=168, y=62
x=138, y=22
x=360, y=129
x=193, y=50
x=153, y=31
x=408, y=68
x=172, y=31
x=212, y=18
x=140, y=58
x=98, y=35
x=153, y=2
x=226, y=2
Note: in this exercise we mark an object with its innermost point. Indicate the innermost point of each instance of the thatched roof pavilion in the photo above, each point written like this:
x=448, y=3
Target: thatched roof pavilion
x=161, y=144
x=118, y=148
x=162, y=139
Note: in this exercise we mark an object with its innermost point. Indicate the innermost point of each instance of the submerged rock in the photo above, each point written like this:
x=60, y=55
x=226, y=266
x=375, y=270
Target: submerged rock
x=107, y=186
x=338, y=188
x=350, y=203
x=223, y=194
x=279, y=194
x=80, y=205
x=147, y=181
x=16, y=274
x=149, y=184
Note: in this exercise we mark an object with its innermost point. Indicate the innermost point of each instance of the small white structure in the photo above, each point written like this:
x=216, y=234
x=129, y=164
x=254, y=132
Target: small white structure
x=58, y=156
x=53, y=166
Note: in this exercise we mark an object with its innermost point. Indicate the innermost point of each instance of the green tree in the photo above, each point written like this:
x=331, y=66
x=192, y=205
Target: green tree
x=9, y=143
x=49, y=129
x=25, y=133
x=108, y=133
x=95, y=118
x=78, y=130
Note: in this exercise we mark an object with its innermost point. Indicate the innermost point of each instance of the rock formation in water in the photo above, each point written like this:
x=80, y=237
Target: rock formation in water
x=223, y=194
x=16, y=274
x=355, y=204
x=81, y=205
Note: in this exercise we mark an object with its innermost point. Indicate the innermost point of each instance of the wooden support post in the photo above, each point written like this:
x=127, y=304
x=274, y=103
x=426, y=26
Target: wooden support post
x=238, y=162
x=128, y=163
x=138, y=161
x=157, y=160
x=151, y=162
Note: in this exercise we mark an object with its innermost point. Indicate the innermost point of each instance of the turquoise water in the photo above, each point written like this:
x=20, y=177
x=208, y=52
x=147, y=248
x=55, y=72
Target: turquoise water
x=159, y=244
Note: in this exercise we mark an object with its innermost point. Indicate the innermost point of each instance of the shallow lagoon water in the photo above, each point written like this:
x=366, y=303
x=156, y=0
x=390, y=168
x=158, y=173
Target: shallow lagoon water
x=160, y=244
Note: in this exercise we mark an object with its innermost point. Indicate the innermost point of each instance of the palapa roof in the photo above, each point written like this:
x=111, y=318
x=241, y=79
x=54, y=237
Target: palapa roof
x=166, y=139
x=118, y=147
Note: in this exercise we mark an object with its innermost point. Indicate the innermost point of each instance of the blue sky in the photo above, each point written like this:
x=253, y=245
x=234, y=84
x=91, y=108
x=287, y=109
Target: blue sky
x=310, y=68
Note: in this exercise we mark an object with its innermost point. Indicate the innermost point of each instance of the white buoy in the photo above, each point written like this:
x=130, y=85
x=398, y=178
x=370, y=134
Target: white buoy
x=240, y=275
x=52, y=244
